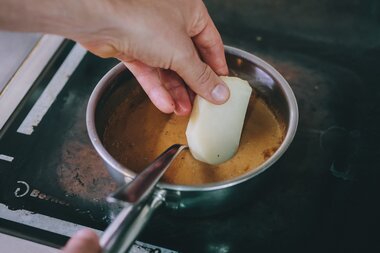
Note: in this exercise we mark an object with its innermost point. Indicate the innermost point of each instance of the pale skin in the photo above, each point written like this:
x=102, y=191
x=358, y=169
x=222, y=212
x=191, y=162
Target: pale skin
x=84, y=241
x=171, y=46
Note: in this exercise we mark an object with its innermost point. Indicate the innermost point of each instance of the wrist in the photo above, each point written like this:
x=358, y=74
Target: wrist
x=70, y=18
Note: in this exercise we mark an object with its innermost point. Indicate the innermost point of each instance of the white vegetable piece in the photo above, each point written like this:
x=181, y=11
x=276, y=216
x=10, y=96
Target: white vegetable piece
x=213, y=131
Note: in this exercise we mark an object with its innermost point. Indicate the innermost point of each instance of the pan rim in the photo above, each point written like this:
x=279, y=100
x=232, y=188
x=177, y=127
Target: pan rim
x=106, y=81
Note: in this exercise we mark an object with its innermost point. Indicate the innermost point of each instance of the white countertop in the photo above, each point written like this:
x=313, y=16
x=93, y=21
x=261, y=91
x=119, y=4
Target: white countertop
x=23, y=57
x=11, y=244
x=14, y=49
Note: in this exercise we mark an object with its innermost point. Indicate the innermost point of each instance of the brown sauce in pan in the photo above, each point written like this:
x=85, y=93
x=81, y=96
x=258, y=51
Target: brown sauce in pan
x=137, y=133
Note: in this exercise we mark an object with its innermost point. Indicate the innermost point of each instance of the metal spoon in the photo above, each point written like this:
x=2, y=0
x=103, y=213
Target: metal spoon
x=121, y=233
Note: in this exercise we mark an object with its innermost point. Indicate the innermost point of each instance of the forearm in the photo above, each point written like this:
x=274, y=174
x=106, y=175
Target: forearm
x=61, y=17
x=150, y=36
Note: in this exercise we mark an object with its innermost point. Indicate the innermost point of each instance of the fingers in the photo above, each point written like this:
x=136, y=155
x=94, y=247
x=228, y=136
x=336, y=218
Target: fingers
x=148, y=77
x=210, y=46
x=191, y=94
x=165, y=89
x=177, y=89
x=199, y=76
x=85, y=241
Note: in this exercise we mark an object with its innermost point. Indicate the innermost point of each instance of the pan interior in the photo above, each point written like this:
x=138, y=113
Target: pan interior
x=135, y=133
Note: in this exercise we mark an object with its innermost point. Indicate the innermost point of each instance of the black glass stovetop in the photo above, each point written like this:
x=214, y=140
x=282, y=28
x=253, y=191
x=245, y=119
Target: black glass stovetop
x=322, y=196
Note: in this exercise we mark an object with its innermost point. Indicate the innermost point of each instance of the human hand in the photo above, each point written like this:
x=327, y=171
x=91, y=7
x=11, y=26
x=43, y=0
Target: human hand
x=85, y=241
x=163, y=43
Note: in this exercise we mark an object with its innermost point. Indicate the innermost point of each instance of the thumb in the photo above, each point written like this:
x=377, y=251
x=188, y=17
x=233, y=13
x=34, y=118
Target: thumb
x=200, y=77
x=85, y=241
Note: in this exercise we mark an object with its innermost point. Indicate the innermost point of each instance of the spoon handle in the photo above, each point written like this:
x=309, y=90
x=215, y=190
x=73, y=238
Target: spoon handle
x=139, y=206
x=144, y=183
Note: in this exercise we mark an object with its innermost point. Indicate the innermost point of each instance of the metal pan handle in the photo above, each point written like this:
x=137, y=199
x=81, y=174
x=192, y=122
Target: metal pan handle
x=139, y=203
x=122, y=232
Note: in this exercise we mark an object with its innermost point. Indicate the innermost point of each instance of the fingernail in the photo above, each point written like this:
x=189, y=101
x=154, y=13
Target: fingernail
x=220, y=93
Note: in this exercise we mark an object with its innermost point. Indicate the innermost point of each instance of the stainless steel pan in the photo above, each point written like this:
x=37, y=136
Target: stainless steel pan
x=180, y=199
